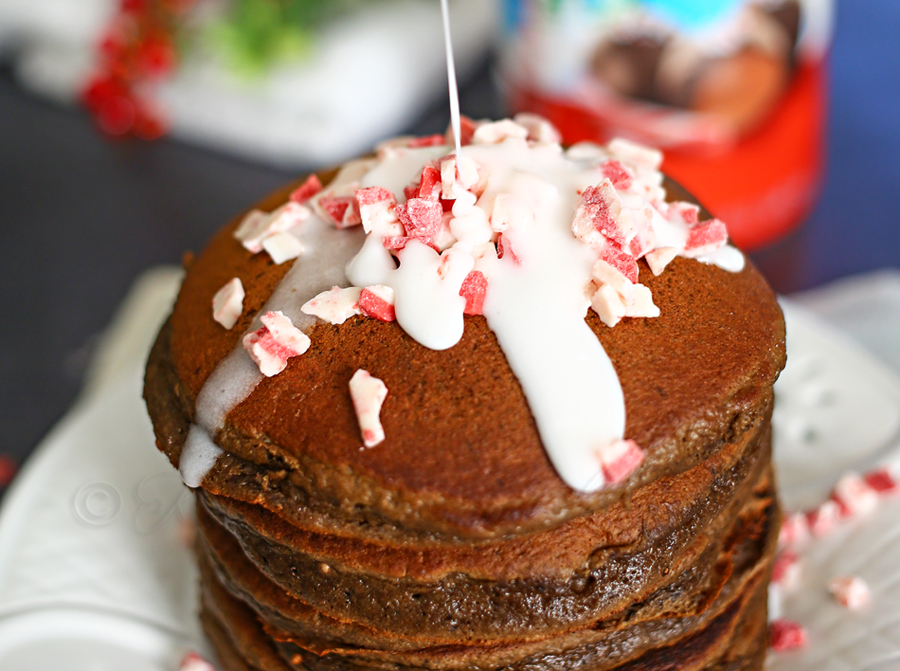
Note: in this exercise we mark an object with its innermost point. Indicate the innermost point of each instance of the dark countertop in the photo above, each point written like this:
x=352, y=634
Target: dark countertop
x=82, y=216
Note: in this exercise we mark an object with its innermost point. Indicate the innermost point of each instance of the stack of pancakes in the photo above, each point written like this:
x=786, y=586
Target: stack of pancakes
x=454, y=544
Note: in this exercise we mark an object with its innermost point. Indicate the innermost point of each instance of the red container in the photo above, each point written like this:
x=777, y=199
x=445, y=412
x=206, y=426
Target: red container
x=762, y=180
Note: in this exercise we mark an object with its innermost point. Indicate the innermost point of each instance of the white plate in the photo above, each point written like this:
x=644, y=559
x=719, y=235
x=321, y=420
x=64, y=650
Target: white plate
x=95, y=573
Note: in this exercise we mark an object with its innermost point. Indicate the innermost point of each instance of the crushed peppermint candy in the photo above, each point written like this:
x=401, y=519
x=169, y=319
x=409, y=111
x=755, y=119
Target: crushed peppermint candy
x=368, y=393
x=538, y=128
x=473, y=290
x=334, y=306
x=883, y=481
x=794, y=530
x=341, y=211
x=620, y=459
x=228, y=303
x=785, y=635
x=850, y=591
x=822, y=519
x=786, y=570
x=256, y=226
x=282, y=247
x=307, y=190
x=854, y=496
x=194, y=662
x=274, y=343
x=511, y=226
x=377, y=301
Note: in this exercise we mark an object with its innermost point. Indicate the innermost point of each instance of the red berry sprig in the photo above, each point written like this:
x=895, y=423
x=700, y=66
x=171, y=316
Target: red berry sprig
x=137, y=50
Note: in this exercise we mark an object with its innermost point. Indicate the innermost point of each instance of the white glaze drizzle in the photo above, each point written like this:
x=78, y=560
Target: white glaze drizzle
x=326, y=252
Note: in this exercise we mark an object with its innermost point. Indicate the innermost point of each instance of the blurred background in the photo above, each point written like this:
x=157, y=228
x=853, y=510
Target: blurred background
x=130, y=130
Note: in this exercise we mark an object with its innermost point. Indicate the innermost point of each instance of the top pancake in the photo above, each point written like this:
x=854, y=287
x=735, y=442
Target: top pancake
x=462, y=454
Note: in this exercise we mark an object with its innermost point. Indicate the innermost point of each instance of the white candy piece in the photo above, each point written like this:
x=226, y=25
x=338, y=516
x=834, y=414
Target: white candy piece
x=643, y=305
x=609, y=305
x=603, y=273
x=459, y=173
x=850, y=591
x=278, y=340
x=636, y=154
x=194, y=662
x=659, y=258
x=823, y=519
x=497, y=131
x=539, y=129
x=282, y=247
x=854, y=496
x=257, y=225
x=619, y=459
x=368, y=393
x=787, y=571
x=228, y=303
x=334, y=306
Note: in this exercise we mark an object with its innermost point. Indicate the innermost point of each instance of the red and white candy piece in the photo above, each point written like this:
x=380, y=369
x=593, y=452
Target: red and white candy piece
x=705, y=237
x=377, y=210
x=636, y=154
x=604, y=272
x=644, y=238
x=334, y=306
x=257, y=226
x=601, y=219
x=307, y=190
x=278, y=340
x=368, y=394
x=659, y=258
x=850, y=591
x=421, y=218
x=822, y=520
x=509, y=210
x=883, y=481
x=854, y=496
x=228, y=303
x=506, y=248
x=377, y=301
x=624, y=262
x=427, y=141
x=609, y=305
x=459, y=174
x=467, y=127
x=341, y=211
x=618, y=174
x=194, y=662
x=786, y=635
x=495, y=132
x=429, y=186
x=539, y=129
x=794, y=530
x=620, y=459
x=473, y=289
x=282, y=247
x=683, y=213
x=786, y=570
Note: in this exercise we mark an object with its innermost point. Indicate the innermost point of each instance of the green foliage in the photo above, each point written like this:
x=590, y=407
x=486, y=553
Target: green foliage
x=256, y=34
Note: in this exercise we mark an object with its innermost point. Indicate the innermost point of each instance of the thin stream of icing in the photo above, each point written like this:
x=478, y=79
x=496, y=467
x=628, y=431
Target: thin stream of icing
x=451, y=76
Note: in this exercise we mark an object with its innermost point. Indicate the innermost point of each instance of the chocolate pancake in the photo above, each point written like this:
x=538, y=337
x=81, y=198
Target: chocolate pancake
x=455, y=543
